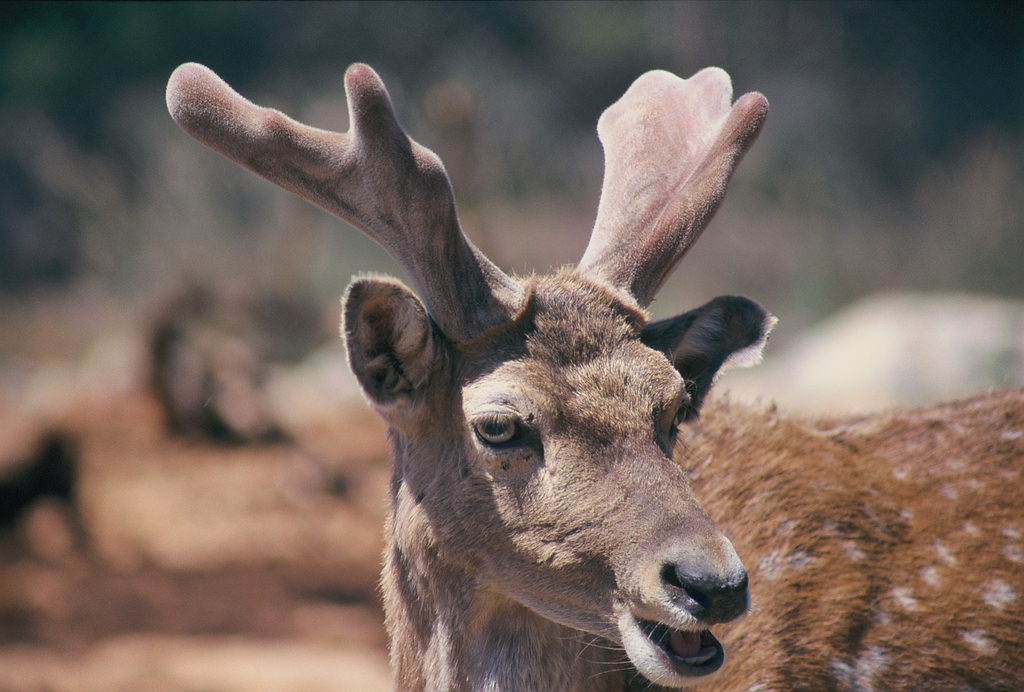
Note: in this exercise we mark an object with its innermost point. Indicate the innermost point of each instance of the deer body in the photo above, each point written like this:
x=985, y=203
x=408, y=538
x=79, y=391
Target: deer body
x=885, y=552
x=542, y=534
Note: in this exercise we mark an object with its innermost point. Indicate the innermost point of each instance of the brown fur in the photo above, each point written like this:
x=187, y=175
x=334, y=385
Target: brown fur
x=885, y=552
x=874, y=564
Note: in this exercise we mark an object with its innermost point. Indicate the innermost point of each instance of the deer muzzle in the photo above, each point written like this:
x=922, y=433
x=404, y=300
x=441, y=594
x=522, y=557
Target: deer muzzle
x=688, y=587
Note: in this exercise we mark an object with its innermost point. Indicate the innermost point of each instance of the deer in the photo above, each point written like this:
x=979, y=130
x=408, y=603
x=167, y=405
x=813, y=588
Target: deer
x=550, y=441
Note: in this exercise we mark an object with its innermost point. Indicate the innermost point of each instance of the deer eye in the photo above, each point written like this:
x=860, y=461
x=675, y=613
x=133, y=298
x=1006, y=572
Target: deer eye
x=496, y=431
x=685, y=413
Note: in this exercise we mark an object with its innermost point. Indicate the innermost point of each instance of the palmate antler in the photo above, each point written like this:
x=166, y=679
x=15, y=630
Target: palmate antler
x=374, y=177
x=671, y=146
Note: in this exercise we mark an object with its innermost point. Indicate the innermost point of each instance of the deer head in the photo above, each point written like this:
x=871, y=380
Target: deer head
x=533, y=420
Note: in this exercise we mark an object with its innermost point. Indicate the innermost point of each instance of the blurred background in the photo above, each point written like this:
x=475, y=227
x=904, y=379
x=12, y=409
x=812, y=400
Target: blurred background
x=191, y=490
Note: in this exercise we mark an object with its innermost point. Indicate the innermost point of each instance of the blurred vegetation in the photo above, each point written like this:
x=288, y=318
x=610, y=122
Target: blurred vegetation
x=893, y=158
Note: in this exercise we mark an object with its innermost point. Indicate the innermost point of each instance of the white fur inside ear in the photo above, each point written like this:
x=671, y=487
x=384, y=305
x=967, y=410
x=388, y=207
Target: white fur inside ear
x=412, y=330
x=752, y=354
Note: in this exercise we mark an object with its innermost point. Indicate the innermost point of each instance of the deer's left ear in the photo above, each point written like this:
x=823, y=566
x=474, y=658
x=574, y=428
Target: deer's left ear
x=729, y=331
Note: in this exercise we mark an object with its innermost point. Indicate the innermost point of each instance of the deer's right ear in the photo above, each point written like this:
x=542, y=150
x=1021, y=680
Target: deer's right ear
x=389, y=338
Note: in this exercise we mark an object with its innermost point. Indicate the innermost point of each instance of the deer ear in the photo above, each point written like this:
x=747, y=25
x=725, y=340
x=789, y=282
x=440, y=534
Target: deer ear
x=389, y=338
x=729, y=331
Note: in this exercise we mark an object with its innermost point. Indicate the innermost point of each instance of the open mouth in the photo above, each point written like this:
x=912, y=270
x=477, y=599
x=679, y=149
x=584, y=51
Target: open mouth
x=666, y=655
x=690, y=653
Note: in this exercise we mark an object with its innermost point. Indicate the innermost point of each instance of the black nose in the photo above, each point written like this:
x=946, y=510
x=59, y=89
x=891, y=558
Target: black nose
x=710, y=598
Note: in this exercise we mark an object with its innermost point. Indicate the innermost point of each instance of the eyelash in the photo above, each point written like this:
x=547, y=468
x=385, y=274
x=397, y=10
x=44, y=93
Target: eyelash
x=683, y=414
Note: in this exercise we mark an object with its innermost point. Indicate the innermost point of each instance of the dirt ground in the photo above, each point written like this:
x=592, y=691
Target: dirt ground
x=136, y=557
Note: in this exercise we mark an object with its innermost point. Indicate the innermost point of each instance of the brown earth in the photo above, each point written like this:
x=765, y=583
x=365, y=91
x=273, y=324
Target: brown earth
x=132, y=558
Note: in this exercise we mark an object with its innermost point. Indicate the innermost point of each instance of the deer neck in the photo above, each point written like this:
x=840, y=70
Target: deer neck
x=449, y=632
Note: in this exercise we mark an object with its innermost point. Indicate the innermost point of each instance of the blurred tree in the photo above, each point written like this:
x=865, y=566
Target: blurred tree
x=866, y=96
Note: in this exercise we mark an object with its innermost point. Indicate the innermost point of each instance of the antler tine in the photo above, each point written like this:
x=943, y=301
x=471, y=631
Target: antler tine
x=671, y=146
x=374, y=177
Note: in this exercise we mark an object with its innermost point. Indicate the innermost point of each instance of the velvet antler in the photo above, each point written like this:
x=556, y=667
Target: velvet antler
x=671, y=146
x=374, y=177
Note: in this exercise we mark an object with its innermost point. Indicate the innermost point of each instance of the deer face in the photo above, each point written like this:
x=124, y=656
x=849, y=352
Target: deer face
x=557, y=487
